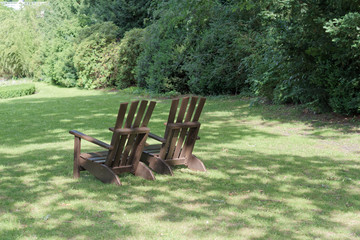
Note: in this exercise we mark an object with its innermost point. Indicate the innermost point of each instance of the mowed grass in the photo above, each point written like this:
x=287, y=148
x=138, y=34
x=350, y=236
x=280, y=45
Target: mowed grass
x=273, y=173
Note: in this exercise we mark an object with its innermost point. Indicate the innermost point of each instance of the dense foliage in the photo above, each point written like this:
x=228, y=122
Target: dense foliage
x=302, y=52
x=308, y=55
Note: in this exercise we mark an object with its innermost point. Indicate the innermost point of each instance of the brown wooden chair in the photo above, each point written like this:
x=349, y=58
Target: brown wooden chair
x=179, y=139
x=125, y=150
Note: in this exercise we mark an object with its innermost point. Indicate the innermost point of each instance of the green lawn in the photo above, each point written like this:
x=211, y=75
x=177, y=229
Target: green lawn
x=273, y=173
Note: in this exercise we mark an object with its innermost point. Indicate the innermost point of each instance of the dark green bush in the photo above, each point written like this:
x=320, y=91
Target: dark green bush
x=12, y=91
x=307, y=53
x=97, y=56
x=214, y=65
x=167, y=45
x=130, y=48
x=195, y=46
x=126, y=14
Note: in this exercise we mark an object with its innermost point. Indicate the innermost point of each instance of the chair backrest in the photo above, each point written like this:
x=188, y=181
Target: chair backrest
x=181, y=133
x=129, y=136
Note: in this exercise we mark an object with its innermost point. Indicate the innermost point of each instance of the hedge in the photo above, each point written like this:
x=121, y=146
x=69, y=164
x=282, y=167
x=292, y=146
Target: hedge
x=17, y=90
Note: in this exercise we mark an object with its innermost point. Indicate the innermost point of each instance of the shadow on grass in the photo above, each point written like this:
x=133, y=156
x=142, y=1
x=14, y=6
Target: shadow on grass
x=244, y=193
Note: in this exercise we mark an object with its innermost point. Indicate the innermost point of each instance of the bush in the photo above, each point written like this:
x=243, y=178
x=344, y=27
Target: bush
x=97, y=56
x=308, y=54
x=214, y=65
x=168, y=42
x=195, y=46
x=126, y=14
x=130, y=48
x=17, y=90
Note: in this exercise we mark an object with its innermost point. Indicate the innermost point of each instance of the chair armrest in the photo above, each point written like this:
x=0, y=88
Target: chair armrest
x=160, y=139
x=183, y=125
x=125, y=131
x=90, y=139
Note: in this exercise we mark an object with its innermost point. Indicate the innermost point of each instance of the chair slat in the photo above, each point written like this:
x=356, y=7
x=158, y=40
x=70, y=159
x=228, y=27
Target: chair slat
x=131, y=137
x=172, y=144
x=121, y=144
x=180, y=143
x=182, y=110
x=173, y=110
x=191, y=109
x=193, y=132
x=134, y=149
x=179, y=119
x=140, y=143
x=114, y=139
x=123, y=138
x=148, y=114
x=131, y=113
x=132, y=144
x=199, y=109
x=140, y=114
x=165, y=146
x=189, y=142
x=121, y=114
x=183, y=132
x=171, y=118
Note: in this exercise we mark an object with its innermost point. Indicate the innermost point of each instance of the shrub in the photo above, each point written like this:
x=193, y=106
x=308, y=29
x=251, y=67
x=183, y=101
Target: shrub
x=214, y=65
x=130, y=48
x=195, y=46
x=168, y=42
x=17, y=90
x=308, y=54
x=97, y=56
x=126, y=14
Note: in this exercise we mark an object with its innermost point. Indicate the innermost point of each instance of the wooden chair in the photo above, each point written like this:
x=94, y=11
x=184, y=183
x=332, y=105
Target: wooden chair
x=124, y=152
x=179, y=139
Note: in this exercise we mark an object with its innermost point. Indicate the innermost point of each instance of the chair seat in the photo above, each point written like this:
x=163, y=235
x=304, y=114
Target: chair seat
x=98, y=157
x=152, y=149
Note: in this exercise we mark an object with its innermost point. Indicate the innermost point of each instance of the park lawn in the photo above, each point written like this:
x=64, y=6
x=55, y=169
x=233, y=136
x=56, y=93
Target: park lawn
x=273, y=173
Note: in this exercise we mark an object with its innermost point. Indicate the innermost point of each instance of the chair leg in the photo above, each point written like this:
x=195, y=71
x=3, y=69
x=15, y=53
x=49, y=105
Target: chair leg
x=195, y=164
x=100, y=171
x=159, y=165
x=77, y=146
x=143, y=171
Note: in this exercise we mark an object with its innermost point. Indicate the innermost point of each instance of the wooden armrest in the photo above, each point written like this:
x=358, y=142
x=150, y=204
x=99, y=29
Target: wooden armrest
x=90, y=139
x=160, y=139
x=125, y=131
x=183, y=125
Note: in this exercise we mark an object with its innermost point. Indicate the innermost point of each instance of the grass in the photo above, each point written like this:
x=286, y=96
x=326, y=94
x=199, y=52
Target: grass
x=273, y=173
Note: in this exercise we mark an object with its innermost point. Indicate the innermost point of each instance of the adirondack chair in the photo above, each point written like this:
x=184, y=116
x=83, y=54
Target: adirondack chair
x=179, y=139
x=124, y=152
